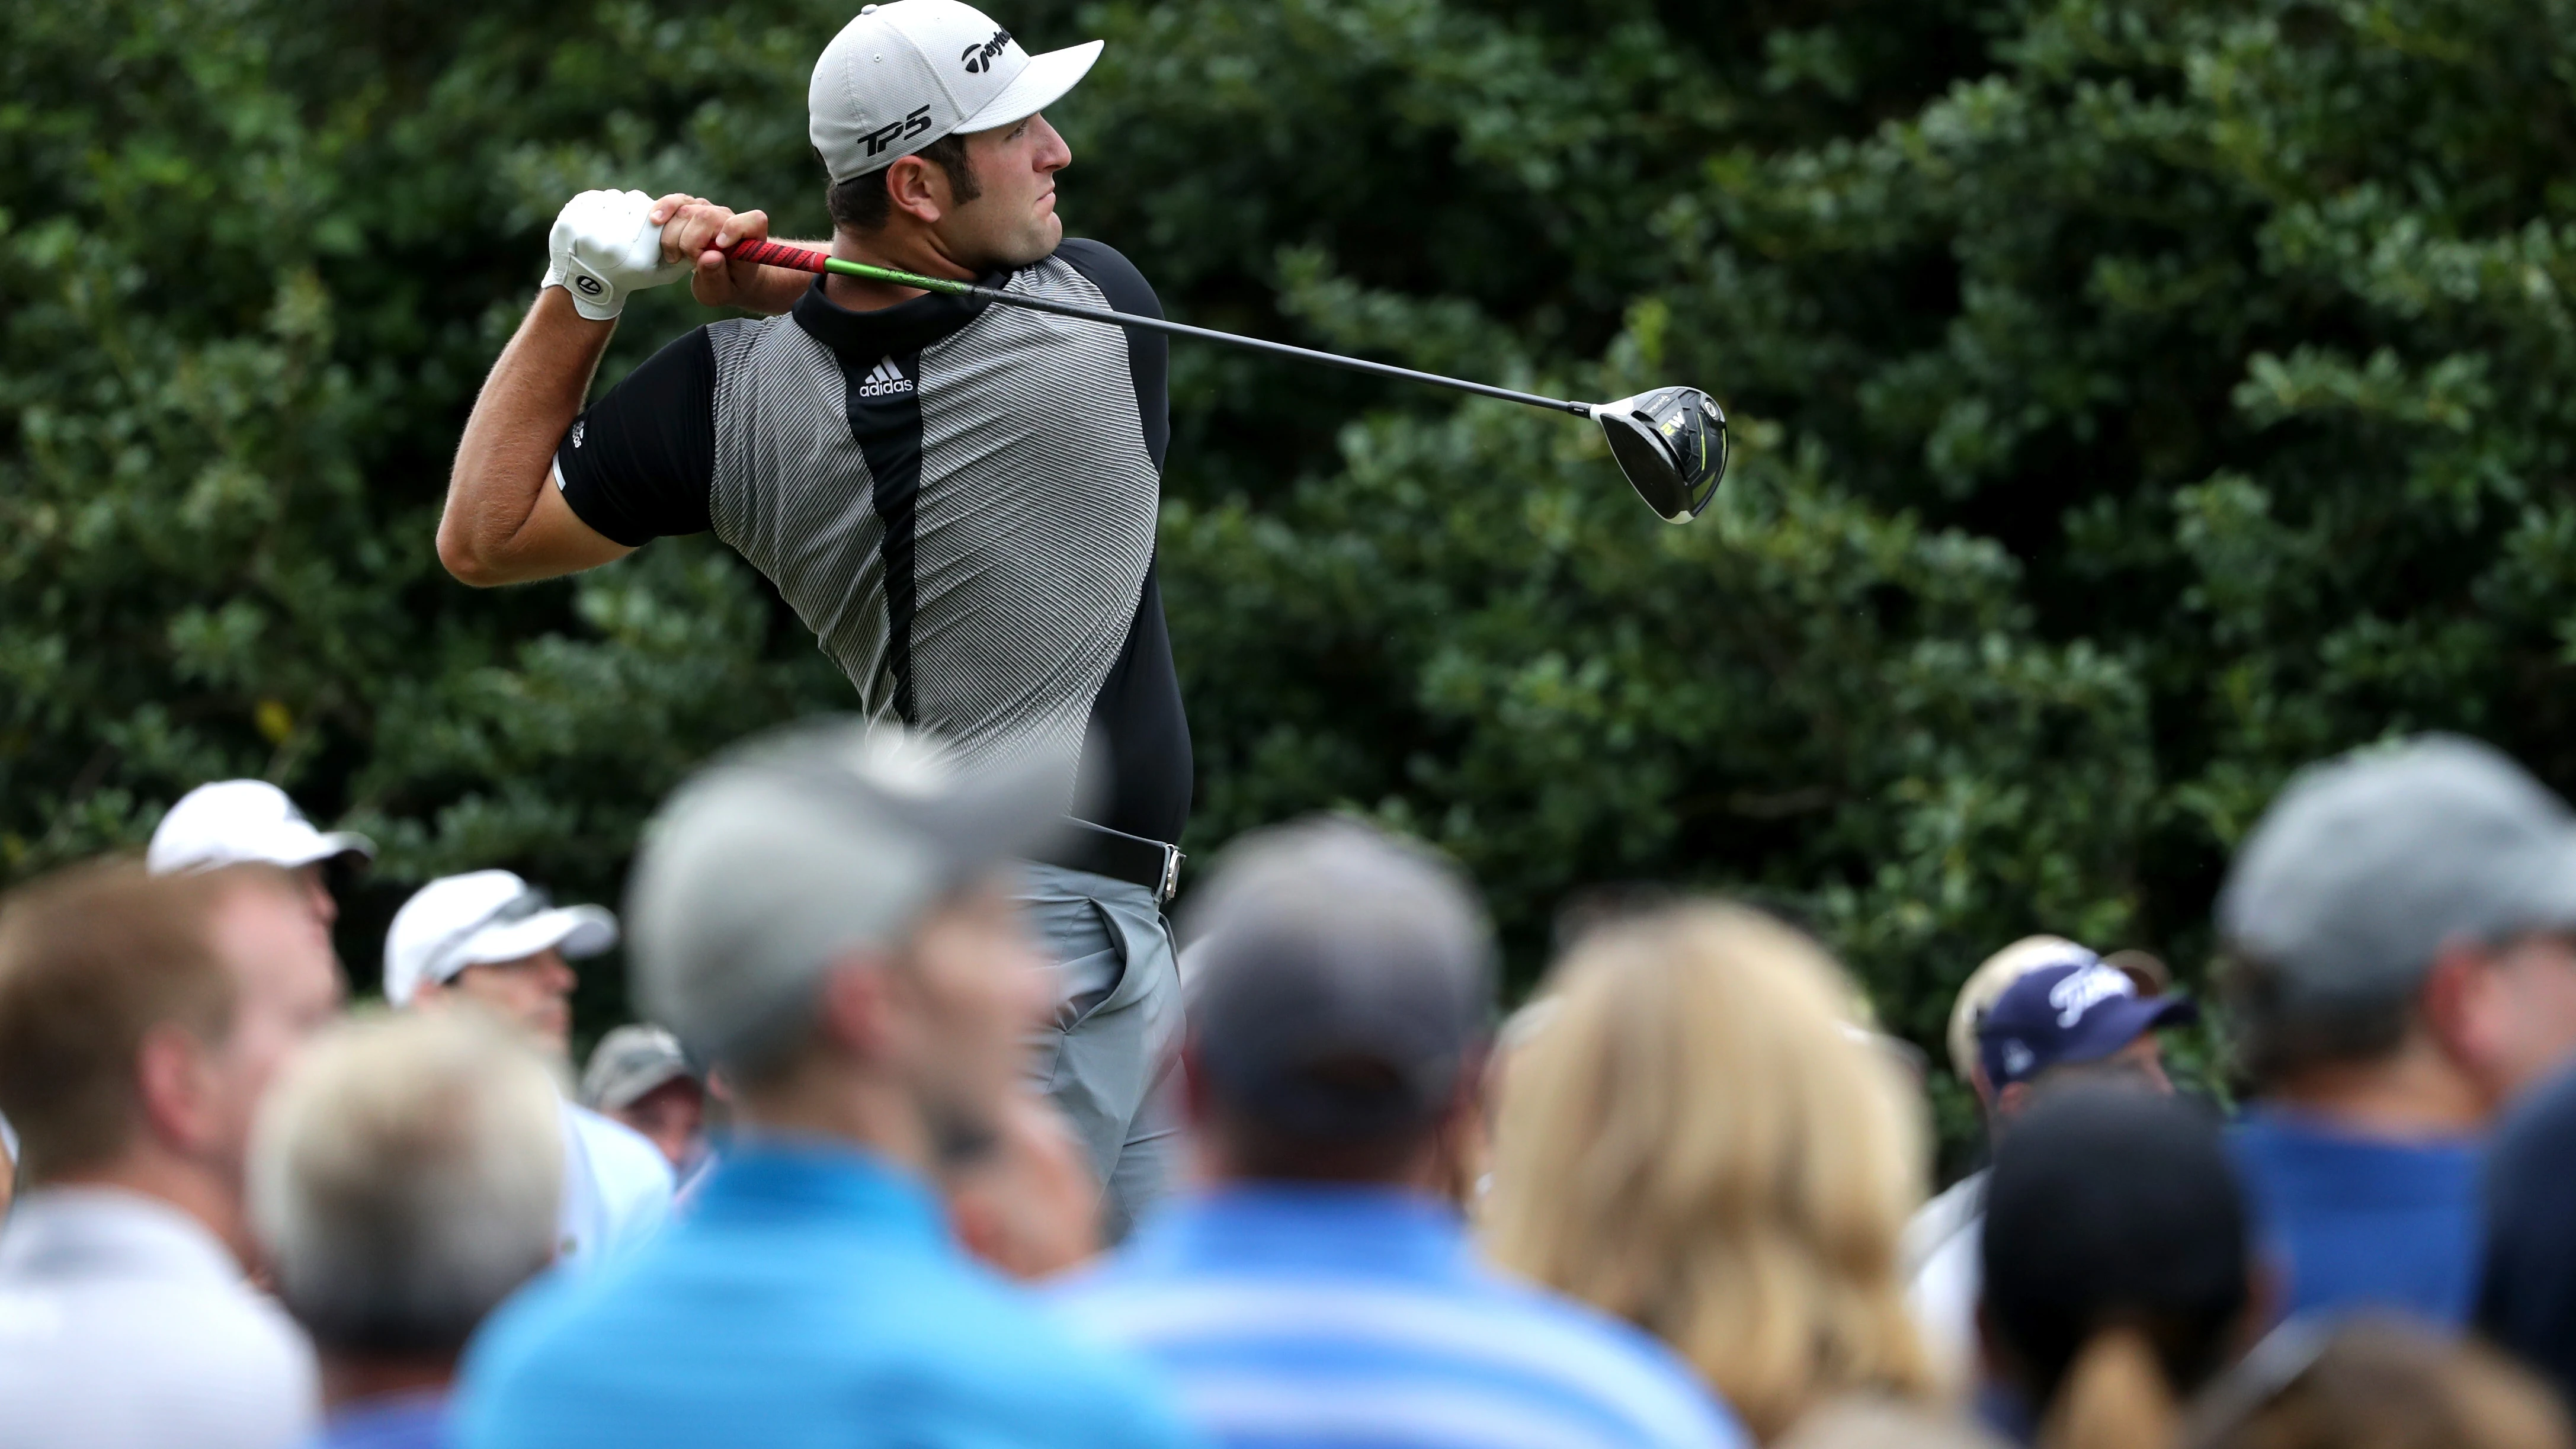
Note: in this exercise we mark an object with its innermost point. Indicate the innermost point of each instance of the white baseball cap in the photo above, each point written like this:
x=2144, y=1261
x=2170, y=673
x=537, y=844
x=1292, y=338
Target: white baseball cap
x=236, y=822
x=478, y=918
x=902, y=75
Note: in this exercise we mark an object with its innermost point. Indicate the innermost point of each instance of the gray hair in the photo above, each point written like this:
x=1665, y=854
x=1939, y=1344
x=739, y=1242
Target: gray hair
x=405, y=1177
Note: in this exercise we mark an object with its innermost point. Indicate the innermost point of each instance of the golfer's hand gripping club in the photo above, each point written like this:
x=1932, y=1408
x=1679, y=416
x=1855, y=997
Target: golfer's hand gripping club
x=604, y=248
x=1671, y=442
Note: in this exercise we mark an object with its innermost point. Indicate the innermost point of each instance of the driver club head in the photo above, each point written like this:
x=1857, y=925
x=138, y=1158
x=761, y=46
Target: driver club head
x=1671, y=443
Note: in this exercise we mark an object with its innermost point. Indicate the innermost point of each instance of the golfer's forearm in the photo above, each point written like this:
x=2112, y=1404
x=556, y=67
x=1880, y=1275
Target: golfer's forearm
x=506, y=456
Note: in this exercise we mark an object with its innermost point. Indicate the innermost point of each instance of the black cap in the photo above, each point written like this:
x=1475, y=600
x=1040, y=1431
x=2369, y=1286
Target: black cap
x=1341, y=982
x=2112, y=1204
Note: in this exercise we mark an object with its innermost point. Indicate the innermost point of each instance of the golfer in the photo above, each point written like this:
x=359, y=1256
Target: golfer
x=959, y=500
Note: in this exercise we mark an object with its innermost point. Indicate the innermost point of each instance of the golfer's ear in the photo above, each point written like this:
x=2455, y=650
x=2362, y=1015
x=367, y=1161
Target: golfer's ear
x=917, y=188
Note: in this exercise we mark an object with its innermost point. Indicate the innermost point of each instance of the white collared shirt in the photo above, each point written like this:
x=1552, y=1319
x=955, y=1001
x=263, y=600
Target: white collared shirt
x=617, y=1187
x=124, y=1322
x=1943, y=1253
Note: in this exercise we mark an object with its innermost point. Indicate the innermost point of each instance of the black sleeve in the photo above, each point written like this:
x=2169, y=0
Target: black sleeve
x=639, y=463
x=1148, y=353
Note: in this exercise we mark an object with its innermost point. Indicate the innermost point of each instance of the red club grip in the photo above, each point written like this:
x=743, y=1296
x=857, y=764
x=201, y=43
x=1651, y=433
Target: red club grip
x=771, y=254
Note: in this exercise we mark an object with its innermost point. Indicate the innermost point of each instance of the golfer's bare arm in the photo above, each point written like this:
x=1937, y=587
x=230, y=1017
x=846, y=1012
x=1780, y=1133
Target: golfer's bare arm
x=505, y=521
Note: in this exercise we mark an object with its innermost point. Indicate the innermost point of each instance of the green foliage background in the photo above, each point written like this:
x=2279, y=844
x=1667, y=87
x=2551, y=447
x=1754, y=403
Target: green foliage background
x=2133, y=399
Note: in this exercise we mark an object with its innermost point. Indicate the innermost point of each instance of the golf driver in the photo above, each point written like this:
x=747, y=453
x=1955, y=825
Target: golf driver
x=1671, y=442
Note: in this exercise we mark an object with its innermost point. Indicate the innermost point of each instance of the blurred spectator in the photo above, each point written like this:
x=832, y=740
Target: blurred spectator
x=141, y=1021
x=2070, y=1017
x=2527, y=1293
x=251, y=822
x=1030, y=1208
x=2118, y=1268
x=491, y=940
x=2401, y=961
x=403, y=1178
x=826, y=919
x=1977, y=995
x=639, y=1078
x=2384, y=1384
x=1323, y=1290
x=1699, y=1144
x=8, y=1167
x=1476, y=1147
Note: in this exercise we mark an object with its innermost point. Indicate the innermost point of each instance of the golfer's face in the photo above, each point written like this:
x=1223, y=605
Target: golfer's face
x=1013, y=223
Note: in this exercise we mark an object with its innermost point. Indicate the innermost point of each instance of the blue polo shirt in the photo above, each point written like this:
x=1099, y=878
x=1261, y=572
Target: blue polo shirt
x=813, y=1297
x=1308, y=1315
x=2362, y=1223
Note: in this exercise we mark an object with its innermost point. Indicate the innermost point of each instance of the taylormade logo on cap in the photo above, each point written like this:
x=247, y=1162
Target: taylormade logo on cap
x=901, y=76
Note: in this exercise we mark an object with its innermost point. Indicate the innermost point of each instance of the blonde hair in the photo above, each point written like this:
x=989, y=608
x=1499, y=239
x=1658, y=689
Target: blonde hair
x=404, y=1176
x=1699, y=1144
x=2115, y=1396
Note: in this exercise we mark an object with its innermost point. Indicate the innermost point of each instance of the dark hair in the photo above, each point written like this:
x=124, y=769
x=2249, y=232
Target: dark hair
x=2276, y=1030
x=862, y=203
x=2115, y=1235
x=1261, y=1152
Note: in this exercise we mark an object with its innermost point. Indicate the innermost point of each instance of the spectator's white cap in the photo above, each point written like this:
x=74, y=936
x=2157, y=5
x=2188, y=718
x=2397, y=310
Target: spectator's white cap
x=479, y=918
x=902, y=75
x=236, y=822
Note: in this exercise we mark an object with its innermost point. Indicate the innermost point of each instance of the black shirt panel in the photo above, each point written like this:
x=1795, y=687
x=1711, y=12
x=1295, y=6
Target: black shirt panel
x=1138, y=742
x=1136, y=756
x=1149, y=353
x=885, y=418
x=637, y=464
x=903, y=327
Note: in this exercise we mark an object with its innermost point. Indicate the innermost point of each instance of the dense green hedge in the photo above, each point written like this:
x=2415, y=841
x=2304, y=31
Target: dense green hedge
x=2133, y=398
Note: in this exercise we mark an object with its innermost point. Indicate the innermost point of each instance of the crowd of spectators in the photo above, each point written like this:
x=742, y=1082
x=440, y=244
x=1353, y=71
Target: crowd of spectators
x=1680, y=1197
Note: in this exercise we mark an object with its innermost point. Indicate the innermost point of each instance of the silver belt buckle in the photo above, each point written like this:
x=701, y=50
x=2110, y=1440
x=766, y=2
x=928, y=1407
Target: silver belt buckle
x=1171, y=883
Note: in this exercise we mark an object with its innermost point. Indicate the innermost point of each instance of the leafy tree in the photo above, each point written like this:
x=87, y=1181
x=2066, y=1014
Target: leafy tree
x=2133, y=399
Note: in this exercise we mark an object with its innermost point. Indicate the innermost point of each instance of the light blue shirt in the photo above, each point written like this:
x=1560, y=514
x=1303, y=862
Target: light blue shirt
x=1360, y=1318
x=812, y=1297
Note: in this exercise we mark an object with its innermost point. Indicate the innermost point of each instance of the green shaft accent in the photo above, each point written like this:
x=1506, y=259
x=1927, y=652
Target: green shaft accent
x=866, y=273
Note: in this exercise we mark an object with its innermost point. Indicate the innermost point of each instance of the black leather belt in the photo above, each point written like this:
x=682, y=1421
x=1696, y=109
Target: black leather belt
x=1117, y=855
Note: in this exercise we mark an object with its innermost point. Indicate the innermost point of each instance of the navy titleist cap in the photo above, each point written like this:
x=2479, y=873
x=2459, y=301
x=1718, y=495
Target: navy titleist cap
x=2081, y=1011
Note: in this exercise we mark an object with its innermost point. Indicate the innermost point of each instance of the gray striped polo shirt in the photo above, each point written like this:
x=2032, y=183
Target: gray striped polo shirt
x=958, y=499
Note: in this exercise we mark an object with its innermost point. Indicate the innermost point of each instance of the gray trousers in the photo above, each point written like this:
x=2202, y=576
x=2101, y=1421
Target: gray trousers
x=1110, y=1058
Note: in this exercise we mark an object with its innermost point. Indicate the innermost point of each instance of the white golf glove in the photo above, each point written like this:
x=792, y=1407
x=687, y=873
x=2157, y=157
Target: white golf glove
x=603, y=249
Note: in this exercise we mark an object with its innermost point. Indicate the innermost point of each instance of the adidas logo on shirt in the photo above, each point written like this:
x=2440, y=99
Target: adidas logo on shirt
x=885, y=381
